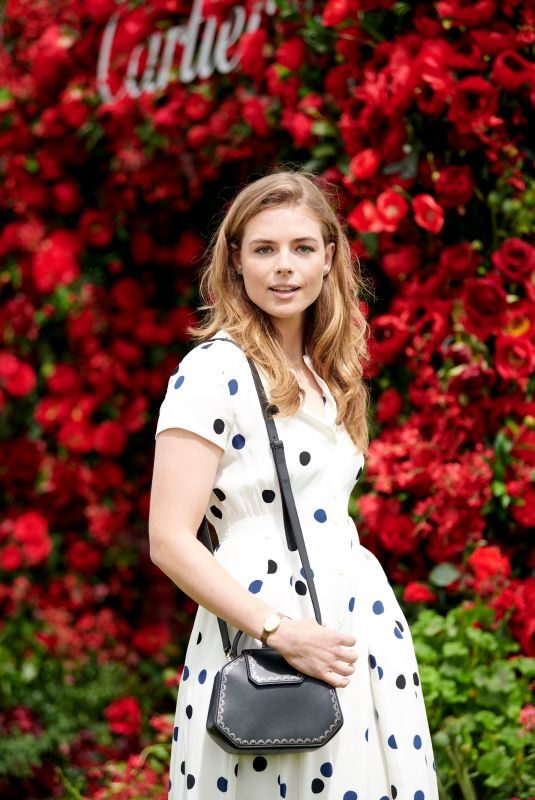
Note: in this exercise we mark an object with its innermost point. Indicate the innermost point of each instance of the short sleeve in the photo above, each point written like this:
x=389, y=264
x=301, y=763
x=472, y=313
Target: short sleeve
x=198, y=398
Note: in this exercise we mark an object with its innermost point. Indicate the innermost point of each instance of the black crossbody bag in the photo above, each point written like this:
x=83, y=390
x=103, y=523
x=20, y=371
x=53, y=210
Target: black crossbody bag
x=260, y=704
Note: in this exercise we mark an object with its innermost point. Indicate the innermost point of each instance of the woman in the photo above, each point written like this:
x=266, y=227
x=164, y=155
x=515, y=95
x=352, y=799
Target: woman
x=281, y=284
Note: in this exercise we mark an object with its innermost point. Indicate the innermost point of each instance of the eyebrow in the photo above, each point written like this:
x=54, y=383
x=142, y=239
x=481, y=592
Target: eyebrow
x=270, y=241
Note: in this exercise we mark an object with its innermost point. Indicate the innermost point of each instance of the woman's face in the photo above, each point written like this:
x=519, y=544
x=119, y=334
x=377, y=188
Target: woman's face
x=283, y=260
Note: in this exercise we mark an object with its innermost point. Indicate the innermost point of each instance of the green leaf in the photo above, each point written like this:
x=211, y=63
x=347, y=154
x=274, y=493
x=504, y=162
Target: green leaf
x=444, y=574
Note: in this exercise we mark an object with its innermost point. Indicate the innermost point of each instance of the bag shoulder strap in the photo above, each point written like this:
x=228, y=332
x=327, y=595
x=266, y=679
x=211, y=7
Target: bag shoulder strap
x=292, y=526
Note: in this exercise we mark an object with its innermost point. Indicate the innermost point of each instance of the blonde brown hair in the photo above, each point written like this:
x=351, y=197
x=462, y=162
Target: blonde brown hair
x=336, y=332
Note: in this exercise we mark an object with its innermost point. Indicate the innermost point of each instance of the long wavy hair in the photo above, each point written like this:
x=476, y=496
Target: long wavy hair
x=336, y=332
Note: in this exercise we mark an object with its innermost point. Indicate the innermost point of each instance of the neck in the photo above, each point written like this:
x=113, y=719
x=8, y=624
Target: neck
x=292, y=333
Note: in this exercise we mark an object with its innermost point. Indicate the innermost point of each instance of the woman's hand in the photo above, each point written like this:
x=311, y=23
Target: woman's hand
x=315, y=650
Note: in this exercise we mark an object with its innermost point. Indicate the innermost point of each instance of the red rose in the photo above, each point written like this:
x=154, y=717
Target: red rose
x=460, y=261
x=76, y=436
x=17, y=378
x=474, y=101
x=454, y=186
x=524, y=446
x=427, y=213
x=124, y=716
x=484, y=303
x=515, y=259
x=64, y=379
x=523, y=509
x=197, y=107
x=415, y=592
x=364, y=164
x=23, y=382
x=389, y=337
x=11, y=557
x=389, y=405
x=398, y=264
x=490, y=567
x=397, y=534
x=365, y=218
x=255, y=114
x=291, y=54
x=250, y=49
x=150, y=639
x=50, y=58
x=66, y=197
x=469, y=379
x=392, y=208
x=514, y=357
x=56, y=261
x=299, y=125
x=512, y=71
x=337, y=11
x=96, y=228
x=81, y=557
x=109, y=438
x=472, y=14
x=127, y=294
x=31, y=532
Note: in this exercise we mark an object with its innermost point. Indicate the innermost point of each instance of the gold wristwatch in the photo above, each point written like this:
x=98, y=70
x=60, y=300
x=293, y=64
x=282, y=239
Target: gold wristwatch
x=271, y=623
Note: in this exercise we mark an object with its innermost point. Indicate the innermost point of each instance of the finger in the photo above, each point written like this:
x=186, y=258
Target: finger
x=344, y=669
x=347, y=640
x=346, y=654
x=333, y=679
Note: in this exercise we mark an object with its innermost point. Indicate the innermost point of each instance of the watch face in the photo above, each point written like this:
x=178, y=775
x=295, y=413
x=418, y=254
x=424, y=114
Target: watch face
x=271, y=622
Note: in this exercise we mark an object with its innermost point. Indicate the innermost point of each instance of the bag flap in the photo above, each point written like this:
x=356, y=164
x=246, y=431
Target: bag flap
x=266, y=667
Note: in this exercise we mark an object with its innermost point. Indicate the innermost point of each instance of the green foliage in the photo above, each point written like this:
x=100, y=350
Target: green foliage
x=475, y=687
x=63, y=699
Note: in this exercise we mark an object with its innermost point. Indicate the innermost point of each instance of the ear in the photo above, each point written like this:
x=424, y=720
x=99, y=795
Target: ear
x=235, y=256
x=329, y=255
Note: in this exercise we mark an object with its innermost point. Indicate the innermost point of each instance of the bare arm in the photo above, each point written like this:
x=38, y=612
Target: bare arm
x=185, y=467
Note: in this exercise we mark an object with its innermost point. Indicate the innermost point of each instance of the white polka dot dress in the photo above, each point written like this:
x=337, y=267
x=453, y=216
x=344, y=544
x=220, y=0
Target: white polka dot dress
x=384, y=750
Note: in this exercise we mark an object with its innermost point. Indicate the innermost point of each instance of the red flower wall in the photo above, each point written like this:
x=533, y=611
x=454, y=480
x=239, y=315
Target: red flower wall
x=419, y=114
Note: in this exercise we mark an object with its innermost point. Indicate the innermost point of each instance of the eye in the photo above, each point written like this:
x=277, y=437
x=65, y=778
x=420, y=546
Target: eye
x=307, y=247
x=262, y=247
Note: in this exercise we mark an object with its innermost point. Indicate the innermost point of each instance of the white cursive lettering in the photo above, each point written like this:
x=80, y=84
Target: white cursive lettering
x=204, y=45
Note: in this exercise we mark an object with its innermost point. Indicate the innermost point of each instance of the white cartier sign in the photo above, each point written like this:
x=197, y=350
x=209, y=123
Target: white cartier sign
x=203, y=53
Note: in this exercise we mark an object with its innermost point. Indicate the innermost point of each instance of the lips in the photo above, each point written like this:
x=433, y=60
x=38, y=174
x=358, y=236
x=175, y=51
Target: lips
x=286, y=290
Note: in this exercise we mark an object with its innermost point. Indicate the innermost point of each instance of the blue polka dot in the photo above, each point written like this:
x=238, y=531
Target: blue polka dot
x=320, y=515
x=378, y=607
x=179, y=381
x=392, y=742
x=222, y=784
x=373, y=661
x=419, y=795
x=283, y=789
x=366, y=734
x=326, y=769
x=202, y=676
x=380, y=672
x=238, y=441
x=255, y=586
x=175, y=733
x=169, y=785
x=302, y=571
x=384, y=797
x=417, y=741
x=233, y=386
x=351, y=603
x=398, y=633
x=350, y=796
x=185, y=673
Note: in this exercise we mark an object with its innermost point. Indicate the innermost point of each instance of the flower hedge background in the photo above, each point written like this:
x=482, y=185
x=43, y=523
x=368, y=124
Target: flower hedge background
x=419, y=114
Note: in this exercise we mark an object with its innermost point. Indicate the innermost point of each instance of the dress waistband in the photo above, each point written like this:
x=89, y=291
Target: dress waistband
x=267, y=525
